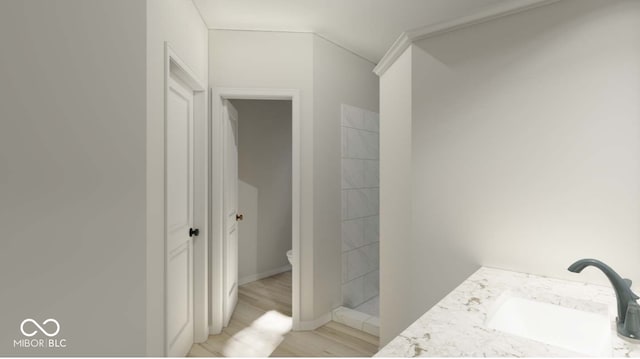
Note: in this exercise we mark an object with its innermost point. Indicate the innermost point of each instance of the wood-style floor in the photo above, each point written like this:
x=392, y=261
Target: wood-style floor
x=260, y=326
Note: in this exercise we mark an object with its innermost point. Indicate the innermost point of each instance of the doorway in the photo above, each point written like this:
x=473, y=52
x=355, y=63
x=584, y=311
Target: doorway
x=224, y=259
x=264, y=188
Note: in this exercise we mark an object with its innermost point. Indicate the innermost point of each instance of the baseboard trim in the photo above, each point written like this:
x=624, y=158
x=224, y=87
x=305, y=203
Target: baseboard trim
x=314, y=324
x=213, y=331
x=258, y=276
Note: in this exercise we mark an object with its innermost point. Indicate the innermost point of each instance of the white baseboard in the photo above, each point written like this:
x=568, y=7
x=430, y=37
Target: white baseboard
x=258, y=276
x=213, y=331
x=314, y=324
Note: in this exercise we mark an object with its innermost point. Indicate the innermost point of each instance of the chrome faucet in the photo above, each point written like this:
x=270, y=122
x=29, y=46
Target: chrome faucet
x=628, y=321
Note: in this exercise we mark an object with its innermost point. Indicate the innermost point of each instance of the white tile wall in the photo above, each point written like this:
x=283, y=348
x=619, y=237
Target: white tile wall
x=352, y=117
x=353, y=292
x=353, y=234
x=362, y=202
x=362, y=144
x=371, y=227
x=373, y=195
x=353, y=173
x=371, y=284
x=359, y=262
x=360, y=205
x=371, y=307
x=344, y=272
x=371, y=173
x=371, y=121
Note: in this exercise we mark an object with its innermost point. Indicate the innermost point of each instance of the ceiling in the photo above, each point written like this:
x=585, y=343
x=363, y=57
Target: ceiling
x=366, y=27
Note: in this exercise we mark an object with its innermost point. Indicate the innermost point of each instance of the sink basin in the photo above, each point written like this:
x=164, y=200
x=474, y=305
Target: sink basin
x=582, y=332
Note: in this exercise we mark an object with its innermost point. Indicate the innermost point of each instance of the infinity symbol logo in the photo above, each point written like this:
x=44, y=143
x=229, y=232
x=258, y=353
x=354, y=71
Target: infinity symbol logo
x=39, y=327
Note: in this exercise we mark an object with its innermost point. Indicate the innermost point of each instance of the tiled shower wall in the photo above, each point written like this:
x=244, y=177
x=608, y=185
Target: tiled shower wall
x=360, y=203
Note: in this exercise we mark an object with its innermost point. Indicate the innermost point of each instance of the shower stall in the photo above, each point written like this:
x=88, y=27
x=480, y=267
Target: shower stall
x=360, y=219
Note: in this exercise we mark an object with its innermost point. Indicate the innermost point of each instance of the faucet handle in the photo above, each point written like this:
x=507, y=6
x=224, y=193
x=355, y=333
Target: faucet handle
x=631, y=324
x=628, y=281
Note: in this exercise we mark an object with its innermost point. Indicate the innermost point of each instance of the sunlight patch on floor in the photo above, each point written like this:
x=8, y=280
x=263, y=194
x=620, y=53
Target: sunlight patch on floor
x=261, y=338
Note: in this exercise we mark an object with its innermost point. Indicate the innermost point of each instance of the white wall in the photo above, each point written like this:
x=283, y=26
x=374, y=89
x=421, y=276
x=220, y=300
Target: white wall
x=326, y=76
x=72, y=182
x=82, y=108
x=397, y=276
x=526, y=147
x=264, y=166
x=339, y=77
x=179, y=23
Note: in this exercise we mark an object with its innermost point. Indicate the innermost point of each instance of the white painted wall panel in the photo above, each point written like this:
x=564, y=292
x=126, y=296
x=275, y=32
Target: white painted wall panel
x=72, y=174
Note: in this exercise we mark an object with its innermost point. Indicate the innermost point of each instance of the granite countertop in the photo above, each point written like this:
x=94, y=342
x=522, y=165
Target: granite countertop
x=456, y=325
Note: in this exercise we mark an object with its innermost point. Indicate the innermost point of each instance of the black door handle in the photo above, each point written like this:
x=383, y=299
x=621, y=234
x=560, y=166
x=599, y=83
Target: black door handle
x=194, y=232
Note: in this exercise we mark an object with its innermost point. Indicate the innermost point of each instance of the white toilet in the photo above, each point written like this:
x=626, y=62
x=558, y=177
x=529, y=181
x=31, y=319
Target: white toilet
x=290, y=256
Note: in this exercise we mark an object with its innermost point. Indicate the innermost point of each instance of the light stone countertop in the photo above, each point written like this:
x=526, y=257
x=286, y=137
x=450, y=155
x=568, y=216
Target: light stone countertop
x=455, y=327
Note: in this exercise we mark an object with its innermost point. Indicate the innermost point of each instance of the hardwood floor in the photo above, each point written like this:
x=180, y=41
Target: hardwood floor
x=261, y=323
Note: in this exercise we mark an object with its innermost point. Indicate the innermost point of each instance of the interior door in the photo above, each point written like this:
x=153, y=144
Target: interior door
x=179, y=215
x=230, y=124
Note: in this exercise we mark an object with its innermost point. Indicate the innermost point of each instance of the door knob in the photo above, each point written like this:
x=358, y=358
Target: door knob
x=239, y=217
x=194, y=232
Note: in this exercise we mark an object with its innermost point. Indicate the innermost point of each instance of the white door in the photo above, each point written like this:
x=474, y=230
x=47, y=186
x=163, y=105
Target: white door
x=179, y=185
x=230, y=125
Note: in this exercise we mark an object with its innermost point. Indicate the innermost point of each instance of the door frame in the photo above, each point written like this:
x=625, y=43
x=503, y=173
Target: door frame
x=175, y=67
x=218, y=95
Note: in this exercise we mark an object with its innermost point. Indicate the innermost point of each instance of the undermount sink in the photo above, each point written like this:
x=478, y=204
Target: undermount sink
x=575, y=330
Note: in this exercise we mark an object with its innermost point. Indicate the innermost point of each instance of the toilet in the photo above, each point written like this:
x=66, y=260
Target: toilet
x=290, y=256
